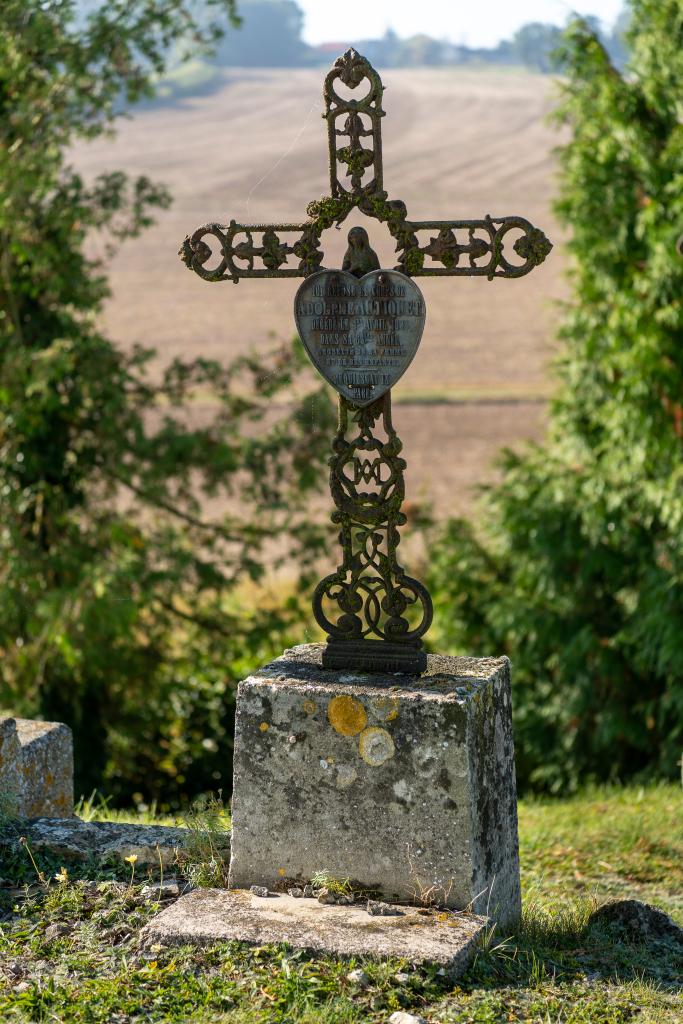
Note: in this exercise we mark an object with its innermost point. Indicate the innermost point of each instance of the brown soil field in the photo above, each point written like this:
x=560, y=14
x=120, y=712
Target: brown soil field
x=456, y=144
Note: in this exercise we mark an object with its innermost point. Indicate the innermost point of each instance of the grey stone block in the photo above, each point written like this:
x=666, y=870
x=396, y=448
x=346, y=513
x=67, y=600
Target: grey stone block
x=403, y=784
x=36, y=768
x=76, y=840
x=214, y=915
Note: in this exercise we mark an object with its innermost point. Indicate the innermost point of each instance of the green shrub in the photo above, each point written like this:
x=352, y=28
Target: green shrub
x=576, y=566
x=120, y=608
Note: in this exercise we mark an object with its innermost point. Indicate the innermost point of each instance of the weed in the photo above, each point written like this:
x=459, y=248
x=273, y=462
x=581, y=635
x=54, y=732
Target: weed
x=338, y=886
x=427, y=895
x=27, y=846
x=202, y=860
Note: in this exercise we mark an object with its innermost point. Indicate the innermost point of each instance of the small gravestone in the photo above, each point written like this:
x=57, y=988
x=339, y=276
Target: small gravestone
x=363, y=757
x=36, y=768
x=407, y=787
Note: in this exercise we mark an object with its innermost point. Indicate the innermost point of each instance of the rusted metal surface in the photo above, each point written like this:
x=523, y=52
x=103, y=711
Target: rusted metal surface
x=374, y=614
x=453, y=248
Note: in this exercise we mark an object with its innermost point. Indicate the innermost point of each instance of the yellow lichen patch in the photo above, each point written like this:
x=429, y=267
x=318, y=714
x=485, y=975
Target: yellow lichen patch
x=386, y=708
x=347, y=716
x=346, y=775
x=310, y=707
x=264, y=727
x=376, y=746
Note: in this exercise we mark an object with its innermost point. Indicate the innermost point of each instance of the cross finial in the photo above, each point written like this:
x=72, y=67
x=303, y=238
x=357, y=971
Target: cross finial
x=360, y=119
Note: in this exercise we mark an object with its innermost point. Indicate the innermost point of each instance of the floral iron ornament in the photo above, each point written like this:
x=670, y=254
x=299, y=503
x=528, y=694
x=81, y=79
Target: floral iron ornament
x=374, y=614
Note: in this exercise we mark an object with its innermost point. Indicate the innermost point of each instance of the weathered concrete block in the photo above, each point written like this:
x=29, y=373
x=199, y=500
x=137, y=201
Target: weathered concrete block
x=214, y=915
x=404, y=784
x=36, y=768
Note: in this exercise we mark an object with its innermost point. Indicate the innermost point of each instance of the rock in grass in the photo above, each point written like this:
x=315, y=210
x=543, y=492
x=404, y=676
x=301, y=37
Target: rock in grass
x=378, y=909
x=169, y=889
x=71, y=839
x=56, y=931
x=637, y=922
x=358, y=978
x=401, y=1017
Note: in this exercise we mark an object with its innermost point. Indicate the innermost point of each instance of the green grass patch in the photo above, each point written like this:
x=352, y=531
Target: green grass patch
x=69, y=951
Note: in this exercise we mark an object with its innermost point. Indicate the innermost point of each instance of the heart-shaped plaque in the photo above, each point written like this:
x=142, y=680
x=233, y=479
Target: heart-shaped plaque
x=361, y=335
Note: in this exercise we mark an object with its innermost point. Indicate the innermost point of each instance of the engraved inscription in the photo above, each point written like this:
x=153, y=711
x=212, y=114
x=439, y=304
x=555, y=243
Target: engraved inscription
x=360, y=334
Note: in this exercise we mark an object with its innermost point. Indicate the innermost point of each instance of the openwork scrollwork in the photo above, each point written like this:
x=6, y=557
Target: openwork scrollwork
x=438, y=248
x=254, y=250
x=372, y=596
x=360, y=152
x=458, y=248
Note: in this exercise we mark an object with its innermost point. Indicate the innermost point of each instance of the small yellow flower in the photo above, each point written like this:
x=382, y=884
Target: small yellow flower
x=62, y=875
x=132, y=859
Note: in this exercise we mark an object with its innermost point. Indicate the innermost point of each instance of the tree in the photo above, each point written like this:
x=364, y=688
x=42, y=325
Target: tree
x=270, y=37
x=615, y=41
x=534, y=45
x=421, y=51
x=578, y=572
x=120, y=607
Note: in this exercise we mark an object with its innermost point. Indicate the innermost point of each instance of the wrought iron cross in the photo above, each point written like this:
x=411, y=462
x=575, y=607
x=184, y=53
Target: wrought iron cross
x=375, y=615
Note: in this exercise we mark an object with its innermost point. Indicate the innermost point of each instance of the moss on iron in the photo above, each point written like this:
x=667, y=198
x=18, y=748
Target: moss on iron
x=414, y=261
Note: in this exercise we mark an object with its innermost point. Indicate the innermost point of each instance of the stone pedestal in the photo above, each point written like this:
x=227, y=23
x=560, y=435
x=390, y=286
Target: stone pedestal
x=36, y=768
x=404, y=784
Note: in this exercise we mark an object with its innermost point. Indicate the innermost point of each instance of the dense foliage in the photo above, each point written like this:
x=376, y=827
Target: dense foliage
x=120, y=608
x=576, y=570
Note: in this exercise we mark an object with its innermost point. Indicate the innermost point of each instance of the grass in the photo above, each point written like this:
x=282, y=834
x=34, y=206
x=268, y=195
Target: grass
x=68, y=951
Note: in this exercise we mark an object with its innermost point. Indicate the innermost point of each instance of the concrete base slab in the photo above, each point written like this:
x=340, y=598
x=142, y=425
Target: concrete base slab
x=420, y=936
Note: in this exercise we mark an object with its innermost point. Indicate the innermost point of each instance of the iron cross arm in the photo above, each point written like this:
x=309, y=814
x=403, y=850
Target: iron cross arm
x=490, y=247
x=457, y=248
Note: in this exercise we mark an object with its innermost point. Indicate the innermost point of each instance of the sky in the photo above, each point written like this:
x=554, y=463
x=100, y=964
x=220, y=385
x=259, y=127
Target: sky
x=469, y=22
